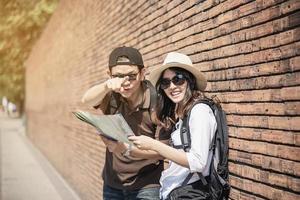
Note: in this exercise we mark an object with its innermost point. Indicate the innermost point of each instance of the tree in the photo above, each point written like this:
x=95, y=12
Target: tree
x=21, y=23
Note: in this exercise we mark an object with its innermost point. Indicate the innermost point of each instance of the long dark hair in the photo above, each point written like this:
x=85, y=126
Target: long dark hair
x=165, y=110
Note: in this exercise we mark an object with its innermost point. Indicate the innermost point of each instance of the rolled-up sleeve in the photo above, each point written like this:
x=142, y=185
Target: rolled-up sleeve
x=202, y=125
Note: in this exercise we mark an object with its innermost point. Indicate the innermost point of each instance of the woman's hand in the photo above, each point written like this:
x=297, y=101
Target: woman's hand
x=143, y=142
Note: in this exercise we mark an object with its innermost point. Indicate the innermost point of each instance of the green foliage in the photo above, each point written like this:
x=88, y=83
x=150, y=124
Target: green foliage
x=21, y=23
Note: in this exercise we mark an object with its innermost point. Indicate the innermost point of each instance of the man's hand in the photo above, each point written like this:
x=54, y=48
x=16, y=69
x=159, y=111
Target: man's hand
x=117, y=84
x=113, y=146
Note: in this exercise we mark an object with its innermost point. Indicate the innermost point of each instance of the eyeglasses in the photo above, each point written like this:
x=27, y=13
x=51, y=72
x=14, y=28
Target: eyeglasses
x=177, y=80
x=131, y=77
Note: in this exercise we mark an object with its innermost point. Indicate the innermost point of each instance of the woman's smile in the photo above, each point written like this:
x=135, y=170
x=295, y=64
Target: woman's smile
x=174, y=92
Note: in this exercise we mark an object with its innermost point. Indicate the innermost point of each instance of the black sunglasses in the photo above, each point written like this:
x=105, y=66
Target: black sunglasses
x=177, y=80
x=131, y=77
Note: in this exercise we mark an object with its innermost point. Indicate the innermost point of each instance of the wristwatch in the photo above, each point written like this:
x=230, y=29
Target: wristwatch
x=126, y=153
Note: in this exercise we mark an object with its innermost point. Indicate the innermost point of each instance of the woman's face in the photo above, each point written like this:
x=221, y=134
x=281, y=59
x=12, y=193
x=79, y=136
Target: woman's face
x=175, y=92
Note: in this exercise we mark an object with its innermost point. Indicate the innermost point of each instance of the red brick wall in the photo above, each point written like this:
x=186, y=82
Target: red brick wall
x=248, y=49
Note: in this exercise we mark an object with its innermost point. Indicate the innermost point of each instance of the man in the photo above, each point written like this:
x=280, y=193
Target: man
x=5, y=104
x=129, y=173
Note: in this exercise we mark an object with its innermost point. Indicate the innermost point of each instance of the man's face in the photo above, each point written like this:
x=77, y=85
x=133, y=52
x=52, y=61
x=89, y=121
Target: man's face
x=135, y=77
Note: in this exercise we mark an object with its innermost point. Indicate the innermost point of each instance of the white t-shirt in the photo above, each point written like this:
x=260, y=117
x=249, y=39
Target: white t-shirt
x=202, y=126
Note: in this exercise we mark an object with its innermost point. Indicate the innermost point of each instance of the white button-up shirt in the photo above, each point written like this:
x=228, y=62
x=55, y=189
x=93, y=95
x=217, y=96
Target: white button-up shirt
x=202, y=126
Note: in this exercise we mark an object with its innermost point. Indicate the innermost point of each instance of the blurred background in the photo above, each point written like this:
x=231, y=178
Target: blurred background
x=21, y=23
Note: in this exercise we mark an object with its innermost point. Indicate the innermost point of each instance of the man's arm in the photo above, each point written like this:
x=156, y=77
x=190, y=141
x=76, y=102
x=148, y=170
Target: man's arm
x=95, y=94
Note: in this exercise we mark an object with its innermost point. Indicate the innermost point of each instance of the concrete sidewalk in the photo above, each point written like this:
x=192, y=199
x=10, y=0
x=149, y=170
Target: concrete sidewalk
x=25, y=173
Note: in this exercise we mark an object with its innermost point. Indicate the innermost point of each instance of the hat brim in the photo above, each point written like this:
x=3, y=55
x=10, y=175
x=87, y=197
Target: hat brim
x=200, y=78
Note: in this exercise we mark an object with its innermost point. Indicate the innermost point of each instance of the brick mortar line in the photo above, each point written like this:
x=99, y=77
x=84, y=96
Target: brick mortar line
x=241, y=17
x=286, y=29
x=263, y=154
x=252, y=77
x=268, y=156
x=240, y=163
x=258, y=65
x=250, y=89
x=260, y=167
x=264, y=141
x=113, y=31
x=249, y=193
x=233, y=55
x=277, y=187
x=211, y=6
x=241, y=29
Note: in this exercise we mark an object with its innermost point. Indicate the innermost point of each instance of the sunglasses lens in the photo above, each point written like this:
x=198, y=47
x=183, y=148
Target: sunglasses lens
x=165, y=83
x=176, y=80
x=132, y=77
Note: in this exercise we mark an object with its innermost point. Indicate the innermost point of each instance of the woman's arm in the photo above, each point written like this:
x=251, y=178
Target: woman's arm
x=134, y=153
x=147, y=143
x=145, y=154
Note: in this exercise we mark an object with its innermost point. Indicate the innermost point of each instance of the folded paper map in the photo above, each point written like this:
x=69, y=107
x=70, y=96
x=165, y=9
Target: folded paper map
x=110, y=126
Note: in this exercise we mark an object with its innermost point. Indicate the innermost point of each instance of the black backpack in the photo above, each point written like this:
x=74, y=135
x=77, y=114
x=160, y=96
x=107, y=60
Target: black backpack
x=217, y=180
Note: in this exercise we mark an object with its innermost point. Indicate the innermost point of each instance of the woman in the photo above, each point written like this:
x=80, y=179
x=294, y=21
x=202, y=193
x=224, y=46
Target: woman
x=179, y=85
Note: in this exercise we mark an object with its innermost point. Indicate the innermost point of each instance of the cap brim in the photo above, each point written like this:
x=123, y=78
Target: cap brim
x=200, y=78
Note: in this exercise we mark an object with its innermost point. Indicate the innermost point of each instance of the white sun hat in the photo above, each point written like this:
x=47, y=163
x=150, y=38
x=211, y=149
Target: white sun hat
x=175, y=59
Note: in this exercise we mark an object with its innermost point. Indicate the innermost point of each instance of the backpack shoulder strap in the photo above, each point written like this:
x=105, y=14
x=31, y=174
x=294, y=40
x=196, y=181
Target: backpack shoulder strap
x=153, y=95
x=185, y=130
x=153, y=98
x=114, y=103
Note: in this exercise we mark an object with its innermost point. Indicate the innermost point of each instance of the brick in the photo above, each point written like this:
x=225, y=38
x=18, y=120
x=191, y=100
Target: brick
x=266, y=162
x=278, y=136
x=266, y=177
x=275, y=95
x=276, y=67
x=265, y=148
x=206, y=34
x=278, y=123
x=240, y=195
x=290, y=79
x=267, y=55
x=262, y=189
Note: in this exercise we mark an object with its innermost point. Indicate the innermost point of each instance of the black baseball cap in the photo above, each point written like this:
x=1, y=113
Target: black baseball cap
x=125, y=56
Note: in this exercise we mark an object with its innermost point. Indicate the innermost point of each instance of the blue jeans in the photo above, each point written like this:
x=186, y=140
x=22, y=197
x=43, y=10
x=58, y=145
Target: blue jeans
x=110, y=193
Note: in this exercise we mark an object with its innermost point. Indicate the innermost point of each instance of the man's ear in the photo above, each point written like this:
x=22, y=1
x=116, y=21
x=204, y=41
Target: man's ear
x=142, y=72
